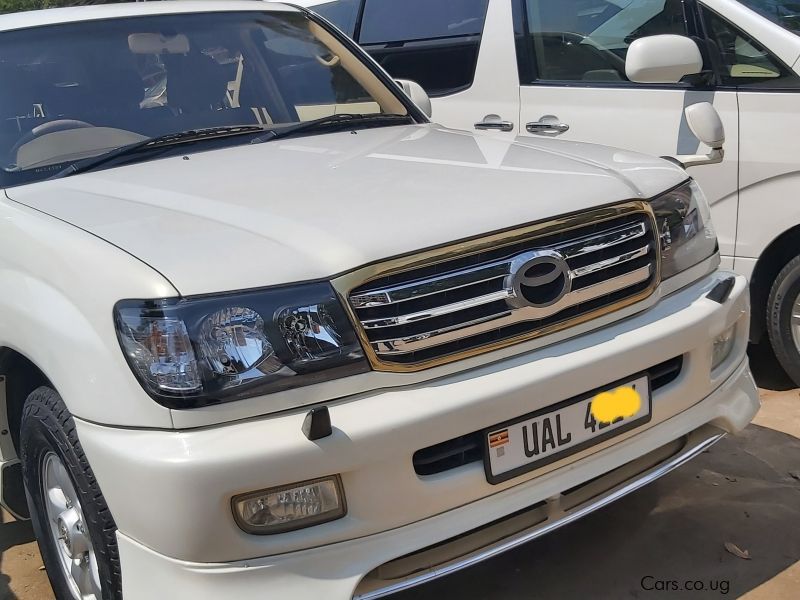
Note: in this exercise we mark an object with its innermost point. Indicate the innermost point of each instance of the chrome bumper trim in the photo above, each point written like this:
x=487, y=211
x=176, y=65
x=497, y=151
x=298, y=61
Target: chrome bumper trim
x=682, y=457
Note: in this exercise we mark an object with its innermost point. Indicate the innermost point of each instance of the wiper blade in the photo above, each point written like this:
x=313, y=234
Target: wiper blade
x=159, y=143
x=162, y=142
x=333, y=121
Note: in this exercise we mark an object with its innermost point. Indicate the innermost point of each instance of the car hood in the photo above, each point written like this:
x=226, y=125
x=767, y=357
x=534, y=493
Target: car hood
x=311, y=207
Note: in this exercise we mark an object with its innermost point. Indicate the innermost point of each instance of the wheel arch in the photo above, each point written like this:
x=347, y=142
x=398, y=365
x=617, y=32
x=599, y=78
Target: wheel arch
x=776, y=255
x=19, y=376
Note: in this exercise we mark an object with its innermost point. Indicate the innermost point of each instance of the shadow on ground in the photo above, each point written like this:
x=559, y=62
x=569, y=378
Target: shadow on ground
x=740, y=491
x=12, y=534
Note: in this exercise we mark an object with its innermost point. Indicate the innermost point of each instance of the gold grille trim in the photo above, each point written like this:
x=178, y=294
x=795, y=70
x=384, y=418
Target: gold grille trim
x=357, y=294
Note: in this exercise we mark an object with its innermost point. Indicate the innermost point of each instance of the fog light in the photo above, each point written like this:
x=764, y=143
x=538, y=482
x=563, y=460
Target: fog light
x=290, y=507
x=723, y=344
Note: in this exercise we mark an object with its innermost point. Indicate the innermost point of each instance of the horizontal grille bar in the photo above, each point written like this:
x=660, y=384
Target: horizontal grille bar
x=437, y=285
x=609, y=262
x=434, y=338
x=438, y=311
x=506, y=292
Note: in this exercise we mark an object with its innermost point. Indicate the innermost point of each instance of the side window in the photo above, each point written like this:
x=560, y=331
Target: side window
x=587, y=40
x=785, y=13
x=743, y=61
x=342, y=13
x=439, y=51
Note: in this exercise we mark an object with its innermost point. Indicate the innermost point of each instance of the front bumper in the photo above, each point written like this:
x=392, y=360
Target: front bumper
x=170, y=491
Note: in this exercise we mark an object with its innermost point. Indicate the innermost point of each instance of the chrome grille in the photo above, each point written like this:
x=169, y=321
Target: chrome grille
x=469, y=302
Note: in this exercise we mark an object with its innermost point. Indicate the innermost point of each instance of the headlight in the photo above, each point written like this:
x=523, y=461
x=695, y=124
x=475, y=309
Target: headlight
x=204, y=350
x=684, y=226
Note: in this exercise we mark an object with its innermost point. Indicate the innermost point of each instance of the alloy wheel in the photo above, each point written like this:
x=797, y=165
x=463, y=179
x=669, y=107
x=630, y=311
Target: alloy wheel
x=69, y=531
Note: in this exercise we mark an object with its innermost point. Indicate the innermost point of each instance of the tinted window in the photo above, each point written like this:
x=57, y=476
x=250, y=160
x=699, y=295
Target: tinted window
x=587, y=40
x=745, y=62
x=81, y=90
x=341, y=13
x=405, y=20
x=433, y=42
x=785, y=13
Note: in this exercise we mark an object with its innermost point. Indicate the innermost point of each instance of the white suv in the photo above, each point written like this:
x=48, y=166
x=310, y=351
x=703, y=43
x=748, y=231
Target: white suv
x=556, y=68
x=266, y=329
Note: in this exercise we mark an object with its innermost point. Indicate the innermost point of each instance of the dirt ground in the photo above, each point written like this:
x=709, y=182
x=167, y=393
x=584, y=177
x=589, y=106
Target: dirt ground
x=654, y=543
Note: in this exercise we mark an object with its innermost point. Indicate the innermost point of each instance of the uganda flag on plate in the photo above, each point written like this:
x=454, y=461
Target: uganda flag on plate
x=498, y=438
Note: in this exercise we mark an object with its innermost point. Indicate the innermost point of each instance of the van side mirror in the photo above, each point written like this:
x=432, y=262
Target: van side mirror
x=706, y=125
x=664, y=58
x=417, y=94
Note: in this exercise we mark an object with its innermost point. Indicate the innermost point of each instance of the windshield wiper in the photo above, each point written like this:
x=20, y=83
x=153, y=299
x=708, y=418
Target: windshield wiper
x=163, y=142
x=345, y=120
x=159, y=143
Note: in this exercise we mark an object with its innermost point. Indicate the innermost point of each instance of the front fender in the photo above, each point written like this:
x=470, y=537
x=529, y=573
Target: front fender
x=58, y=287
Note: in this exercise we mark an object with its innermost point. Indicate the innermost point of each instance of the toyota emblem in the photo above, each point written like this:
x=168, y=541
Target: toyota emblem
x=539, y=278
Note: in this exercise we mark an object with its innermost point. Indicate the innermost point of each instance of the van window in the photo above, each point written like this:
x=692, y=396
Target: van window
x=392, y=21
x=439, y=51
x=342, y=13
x=587, y=40
x=785, y=13
x=745, y=62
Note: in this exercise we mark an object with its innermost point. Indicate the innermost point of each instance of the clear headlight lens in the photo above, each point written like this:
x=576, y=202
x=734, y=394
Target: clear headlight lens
x=233, y=341
x=162, y=353
x=198, y=351
x=684, y=226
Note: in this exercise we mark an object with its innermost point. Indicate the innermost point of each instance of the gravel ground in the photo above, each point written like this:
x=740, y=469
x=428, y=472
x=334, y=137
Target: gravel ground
x=740, y=492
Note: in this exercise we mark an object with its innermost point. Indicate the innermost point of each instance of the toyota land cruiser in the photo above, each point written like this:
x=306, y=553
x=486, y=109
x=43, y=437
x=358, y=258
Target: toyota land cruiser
x=265, y=328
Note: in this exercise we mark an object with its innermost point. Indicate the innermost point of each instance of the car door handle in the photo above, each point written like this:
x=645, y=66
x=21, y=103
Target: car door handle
x=494, y=123
x=547, y=125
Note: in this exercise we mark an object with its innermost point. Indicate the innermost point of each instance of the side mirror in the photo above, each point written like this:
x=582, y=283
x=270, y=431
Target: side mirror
x=706, y=125
x=662, y=59
x=418, y=95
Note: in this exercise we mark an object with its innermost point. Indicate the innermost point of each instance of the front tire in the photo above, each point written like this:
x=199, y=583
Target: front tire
x=783, y=318
x=74, y=528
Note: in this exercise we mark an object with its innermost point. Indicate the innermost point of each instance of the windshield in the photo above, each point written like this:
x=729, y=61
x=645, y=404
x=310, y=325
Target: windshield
x=785, y=13
x=84, y=89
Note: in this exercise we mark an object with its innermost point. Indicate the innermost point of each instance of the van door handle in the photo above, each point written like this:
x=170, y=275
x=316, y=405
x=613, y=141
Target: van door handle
x=494, y=123
x=548, y=125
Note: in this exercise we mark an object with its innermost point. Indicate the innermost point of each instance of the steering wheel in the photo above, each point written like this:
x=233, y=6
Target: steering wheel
x=49, y=127
x=615, y=62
